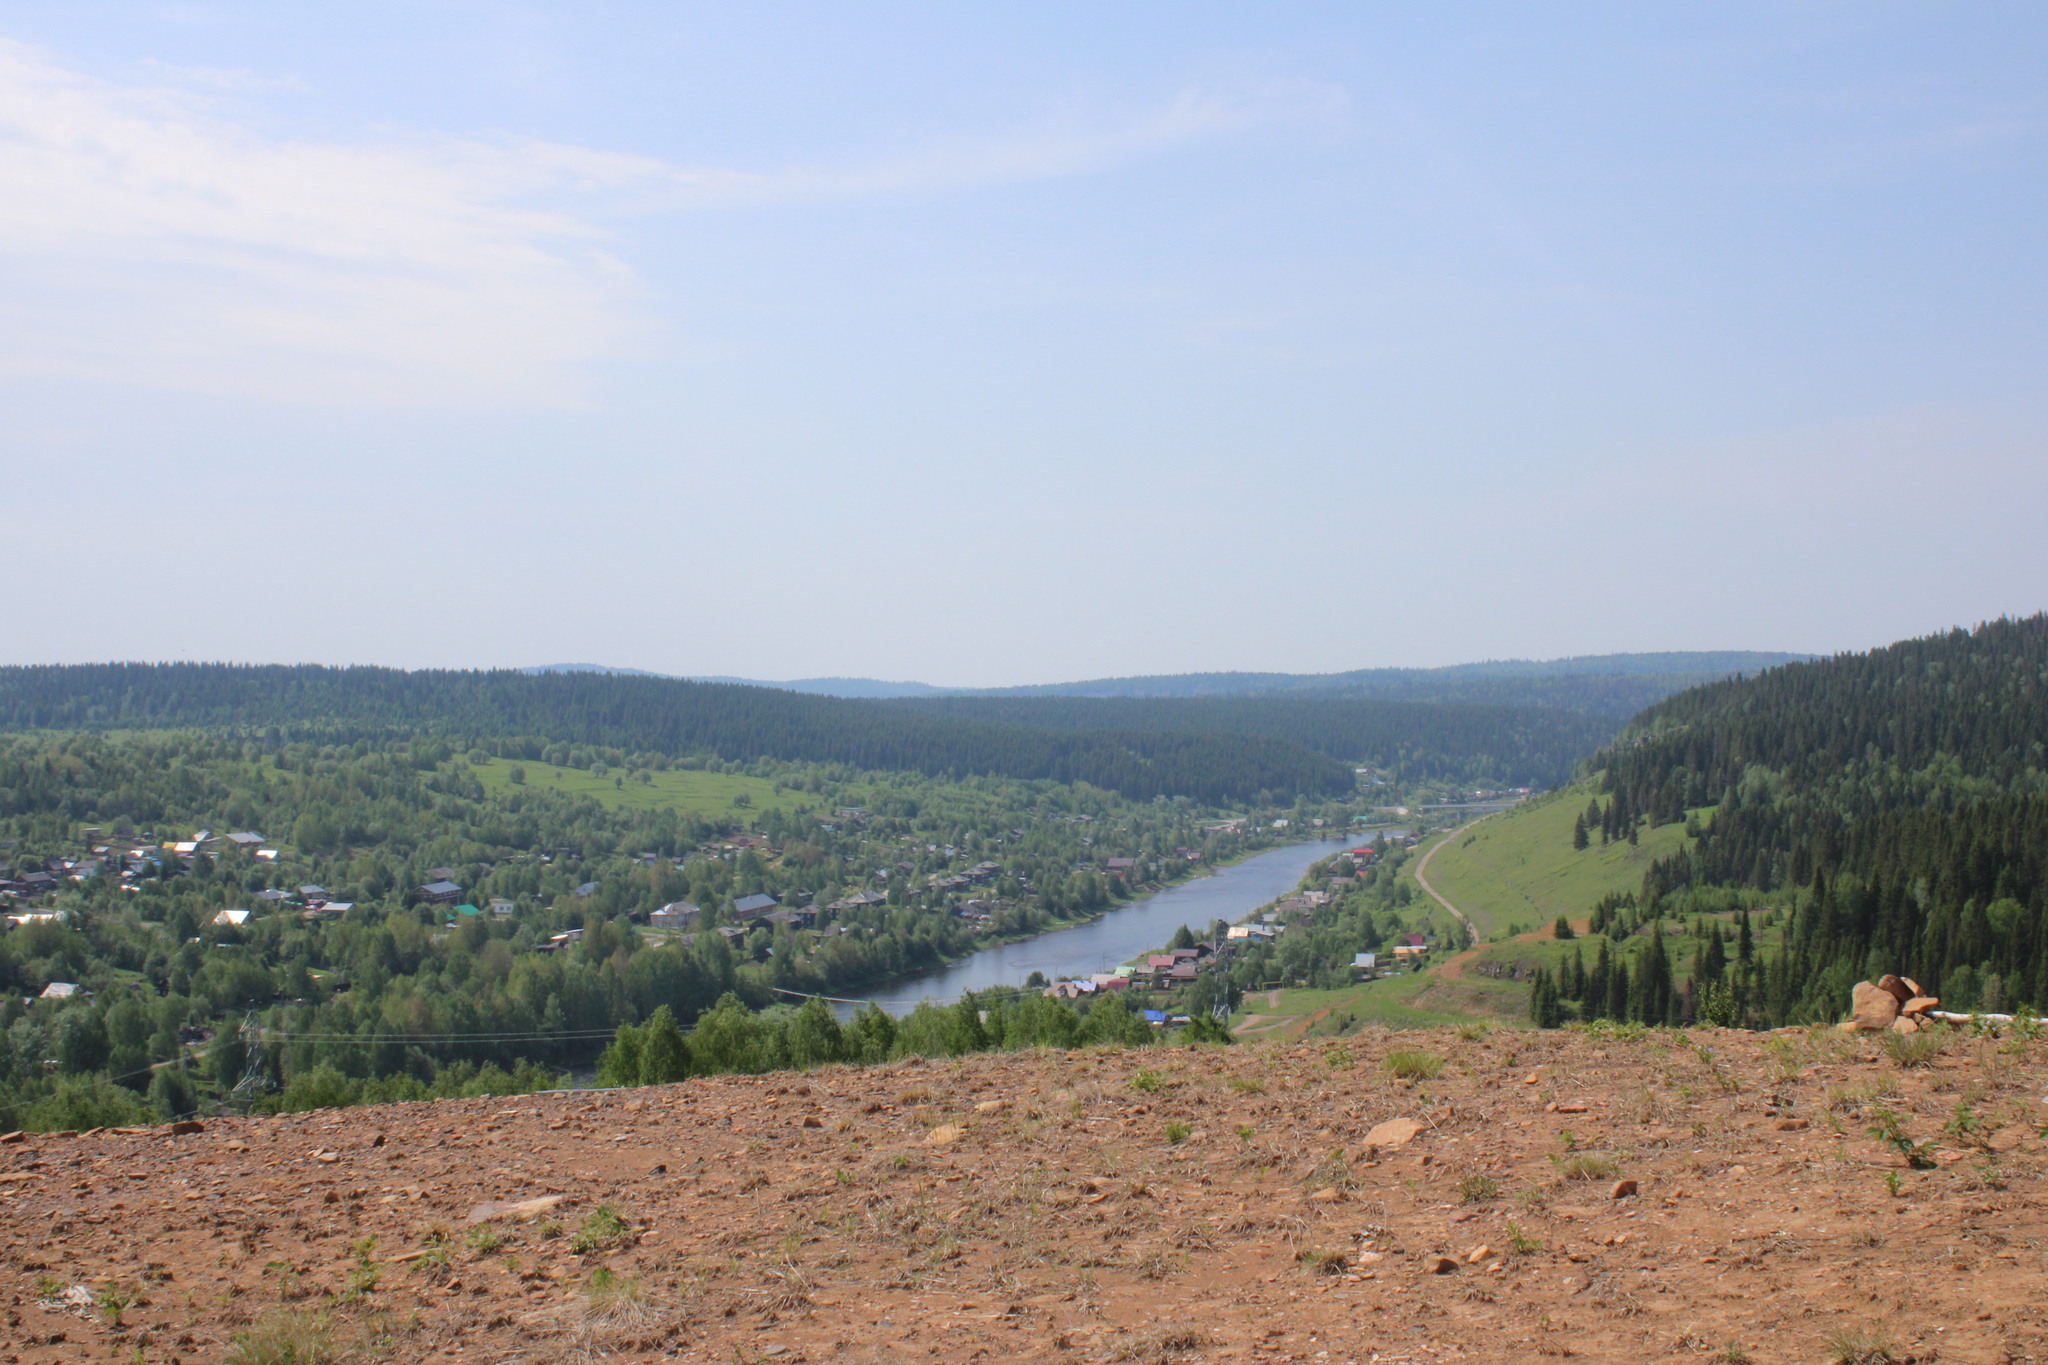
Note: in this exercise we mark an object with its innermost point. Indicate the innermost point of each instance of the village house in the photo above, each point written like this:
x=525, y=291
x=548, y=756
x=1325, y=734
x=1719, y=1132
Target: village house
x=502, y=908
x=440, y=893
x=675, y=915
x=754, y=906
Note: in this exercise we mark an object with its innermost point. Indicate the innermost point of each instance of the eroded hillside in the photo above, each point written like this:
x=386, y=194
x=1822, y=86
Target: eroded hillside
x=1662, y=1197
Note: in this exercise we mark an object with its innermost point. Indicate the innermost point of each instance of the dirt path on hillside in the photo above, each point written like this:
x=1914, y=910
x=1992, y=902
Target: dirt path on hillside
x=1422, y=880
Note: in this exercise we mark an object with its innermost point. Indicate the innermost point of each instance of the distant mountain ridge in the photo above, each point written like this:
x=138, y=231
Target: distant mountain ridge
x=1599, y=684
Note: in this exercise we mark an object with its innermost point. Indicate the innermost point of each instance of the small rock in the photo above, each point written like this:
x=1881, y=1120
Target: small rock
x=1794, y=1125
x=991, y=1106
x=186, y=1127
x=1905, y=1024
x=377, y=1140
x=1569, y=1107
x=15, y=1136
x=1328, y=1194
x=1623, y=1189
x=1529, y=1079
x=327, y=1158
x=523, y=1208
x=1369, y=1258
x=1920, y=1004
x=1393, y=1133
x=1873, y=1007
x=945, y=1135
x=1912, y=985
x=1478, y=1254
x=1895, y=988
x=1440, y=1265
x=812, y=1121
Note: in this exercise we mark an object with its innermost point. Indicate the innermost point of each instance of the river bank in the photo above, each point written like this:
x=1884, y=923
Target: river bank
x=1229, y=893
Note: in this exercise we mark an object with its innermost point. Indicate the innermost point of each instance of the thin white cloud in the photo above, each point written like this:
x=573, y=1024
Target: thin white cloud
x=156, y=235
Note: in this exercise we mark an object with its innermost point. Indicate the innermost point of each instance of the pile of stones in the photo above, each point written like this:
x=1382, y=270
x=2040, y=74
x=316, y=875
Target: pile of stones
x=1891, y=1002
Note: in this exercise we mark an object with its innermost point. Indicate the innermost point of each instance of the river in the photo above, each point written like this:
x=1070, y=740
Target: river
x=1120, y=935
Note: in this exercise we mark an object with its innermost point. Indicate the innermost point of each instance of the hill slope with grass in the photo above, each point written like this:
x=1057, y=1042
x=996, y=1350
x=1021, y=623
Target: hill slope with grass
x=1517, y=870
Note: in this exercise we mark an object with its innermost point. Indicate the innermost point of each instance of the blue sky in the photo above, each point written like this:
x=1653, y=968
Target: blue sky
x=1011, y=343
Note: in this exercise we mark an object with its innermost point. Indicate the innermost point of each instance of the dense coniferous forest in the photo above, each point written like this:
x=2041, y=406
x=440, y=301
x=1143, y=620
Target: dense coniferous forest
x=1894, y=803
x=1415, y=742
x=657, y=715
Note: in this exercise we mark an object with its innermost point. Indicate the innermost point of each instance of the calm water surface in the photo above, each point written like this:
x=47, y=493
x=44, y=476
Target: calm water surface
x=1103, y=944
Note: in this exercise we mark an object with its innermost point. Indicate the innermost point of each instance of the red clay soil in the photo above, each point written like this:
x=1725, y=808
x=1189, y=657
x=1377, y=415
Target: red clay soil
x=1220, y=1204
x=1453, y=968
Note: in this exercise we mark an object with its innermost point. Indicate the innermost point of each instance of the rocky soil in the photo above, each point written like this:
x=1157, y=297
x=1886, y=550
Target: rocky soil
x=1711, y=1196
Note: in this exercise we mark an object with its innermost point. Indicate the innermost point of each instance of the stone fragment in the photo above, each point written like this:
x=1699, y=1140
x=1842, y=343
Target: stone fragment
x=1912, y=985
x=1328, y=1194
x=1439, y=1265
x=1478, y=1254
x=16, y=1136
x=1897, y=989
x=1529, y=1079
x=1369, y=1258
x=1920, y=1004
x=1393, y=1133
x=327, y=1158
x=991, y=1106
x=945, y=1135
x=1569, y=1107
x=1623, y=1189
x=521, y=1208
x=186, y=1127
x=812, y=1121
x=1873, y=1007
x=1794, y=1125
x=1905, y=1024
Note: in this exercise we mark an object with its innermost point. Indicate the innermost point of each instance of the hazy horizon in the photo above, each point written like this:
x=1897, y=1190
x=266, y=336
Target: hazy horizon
x=1017, y=344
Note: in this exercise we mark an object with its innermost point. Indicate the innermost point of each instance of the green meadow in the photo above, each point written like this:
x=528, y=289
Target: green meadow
x=689, y=791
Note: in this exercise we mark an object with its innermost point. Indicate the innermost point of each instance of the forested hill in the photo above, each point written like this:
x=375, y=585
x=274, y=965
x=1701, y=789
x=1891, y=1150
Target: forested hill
x=1617, y=685
x=1895, y=800
x=655, y=715
x=1499, y=745
x=1960, y=713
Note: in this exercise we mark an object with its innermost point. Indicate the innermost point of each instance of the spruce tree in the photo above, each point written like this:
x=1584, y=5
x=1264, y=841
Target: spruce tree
x=1595, y=990
x=1579, y=839
x=1619, y=990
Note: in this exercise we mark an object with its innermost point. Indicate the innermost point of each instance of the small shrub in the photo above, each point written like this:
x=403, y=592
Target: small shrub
x=1322, y=1262
x=484, y=1239
x=602, y=1229
x=365, y=1274
x=616, y=1299
x=1853, y=1346
x=1177, y=1132
x=1471, y=1033
x=1146, y=1081
x=1412, y=1064
x=1477, y=1189
x=1521, y=1243
x=1915, y=1049
x=1890, y=1129
x=285, y=1338
x=1588, y=1166
x=1247, y=1085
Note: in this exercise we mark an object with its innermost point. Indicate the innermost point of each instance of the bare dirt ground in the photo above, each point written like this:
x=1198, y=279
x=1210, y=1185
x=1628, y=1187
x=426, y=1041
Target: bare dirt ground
x=1219, y=1204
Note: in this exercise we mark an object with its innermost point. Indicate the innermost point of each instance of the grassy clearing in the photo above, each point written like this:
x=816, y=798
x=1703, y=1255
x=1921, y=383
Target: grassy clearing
x=1518, y=868
x=690, y=792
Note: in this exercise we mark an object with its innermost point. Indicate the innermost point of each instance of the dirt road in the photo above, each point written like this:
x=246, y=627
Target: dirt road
x=1422, y=879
